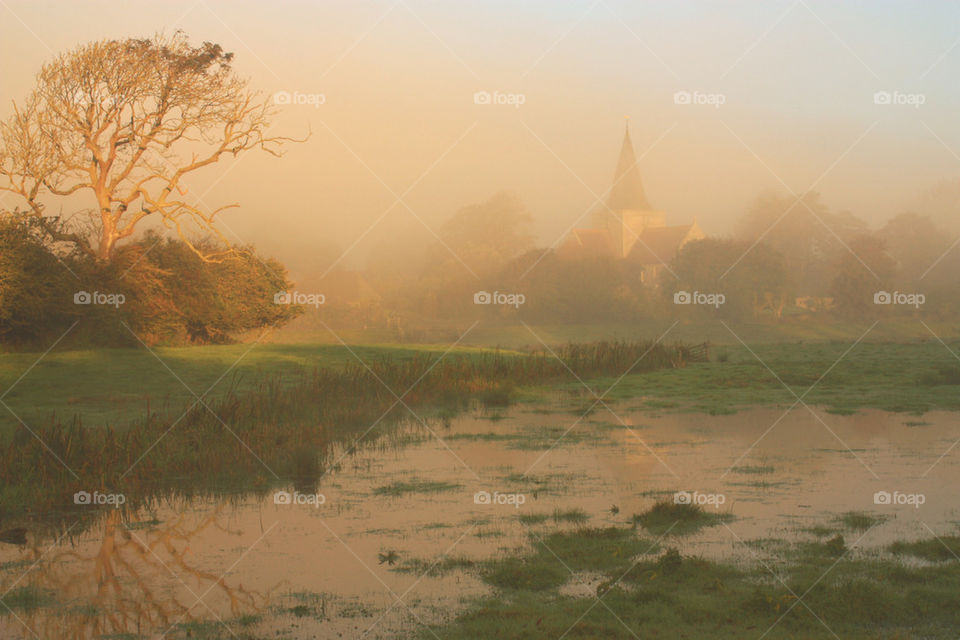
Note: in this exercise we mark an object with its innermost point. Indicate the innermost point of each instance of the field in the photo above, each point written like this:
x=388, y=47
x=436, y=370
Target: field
x=117, y=386
x=599, y=550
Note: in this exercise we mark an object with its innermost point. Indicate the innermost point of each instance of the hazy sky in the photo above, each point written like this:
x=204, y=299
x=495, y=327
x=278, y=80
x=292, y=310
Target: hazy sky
x=797, y=81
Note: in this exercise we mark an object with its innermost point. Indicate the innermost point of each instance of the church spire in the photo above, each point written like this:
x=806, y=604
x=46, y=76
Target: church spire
x=627, y=191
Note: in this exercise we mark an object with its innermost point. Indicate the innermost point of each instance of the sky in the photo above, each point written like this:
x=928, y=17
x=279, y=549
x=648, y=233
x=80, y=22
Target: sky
x=782, y=96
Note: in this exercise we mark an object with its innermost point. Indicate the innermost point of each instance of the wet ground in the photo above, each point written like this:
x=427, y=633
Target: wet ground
x=354, y=559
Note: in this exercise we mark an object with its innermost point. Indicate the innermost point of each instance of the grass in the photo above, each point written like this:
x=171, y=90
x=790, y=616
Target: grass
x=878, y=375
x=648, y=593
x=415, y=485
x=792, y=328
x=557, y=555
x=754, y=469
x=939, y=549
x=559, y=515
x=860, y=520
x=666, y=517
x=116, y=386
x=247, y=439
x=435, y=568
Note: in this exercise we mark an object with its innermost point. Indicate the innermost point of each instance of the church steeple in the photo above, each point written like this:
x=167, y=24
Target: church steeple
x=627, y=191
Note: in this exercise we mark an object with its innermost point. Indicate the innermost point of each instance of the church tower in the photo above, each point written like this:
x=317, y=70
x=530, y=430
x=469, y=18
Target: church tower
x=627, y=212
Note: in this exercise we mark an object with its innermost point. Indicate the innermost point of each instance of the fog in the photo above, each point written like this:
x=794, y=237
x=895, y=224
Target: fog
x=398, y=144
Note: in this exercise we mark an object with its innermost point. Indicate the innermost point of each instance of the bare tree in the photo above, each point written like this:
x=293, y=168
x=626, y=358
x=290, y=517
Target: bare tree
x=125, y=121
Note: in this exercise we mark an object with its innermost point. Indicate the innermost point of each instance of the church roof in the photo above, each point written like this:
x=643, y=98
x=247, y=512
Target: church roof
x=656, y=245
x=627, y=191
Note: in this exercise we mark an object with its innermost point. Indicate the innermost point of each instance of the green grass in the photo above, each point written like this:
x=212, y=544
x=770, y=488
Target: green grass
x=559, y=515
x=754, y=469
x=115, y=386
x=558, y=556
x=669, y=518
x=414, y=485
x=672, y=595
x=291, y=426
x=860, y=520
x=434, y=568
x=792, y=328
x=940, y=549
x=899, y=377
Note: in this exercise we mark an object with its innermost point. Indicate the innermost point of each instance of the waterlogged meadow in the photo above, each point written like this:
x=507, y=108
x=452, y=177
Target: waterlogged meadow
x=280, y=428
x=530, y=511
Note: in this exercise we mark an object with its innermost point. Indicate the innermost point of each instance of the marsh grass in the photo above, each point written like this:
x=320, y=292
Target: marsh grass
x=666, y=517
x=901, y=377
x=860, y=520
x=754, y=469
x=443, y=566
x=280, y=429
x=939, y=549
x=415, y=485
x=947, y=374
x=672, y=595
x=547, y=437
x=557, y=554
x=576, y=516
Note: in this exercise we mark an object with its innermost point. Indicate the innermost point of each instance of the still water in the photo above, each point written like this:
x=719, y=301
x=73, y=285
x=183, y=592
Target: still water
x=351, y=558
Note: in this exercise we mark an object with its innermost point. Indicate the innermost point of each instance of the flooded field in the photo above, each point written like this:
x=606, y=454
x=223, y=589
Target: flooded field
x=389, y=539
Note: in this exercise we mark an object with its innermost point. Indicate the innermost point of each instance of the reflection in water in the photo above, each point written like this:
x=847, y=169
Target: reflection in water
x=780, y=474
x=131, y=582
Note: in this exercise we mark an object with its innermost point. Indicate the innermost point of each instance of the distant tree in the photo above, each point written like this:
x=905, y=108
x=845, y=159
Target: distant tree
x=810, y=236
x=484, y=236
x=758, y=280
x=854, y=284
x=915, y=243
x=582, y=289
x=474, y=245
x=123, y=122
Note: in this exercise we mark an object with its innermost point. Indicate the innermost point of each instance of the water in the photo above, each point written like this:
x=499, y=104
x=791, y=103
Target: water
x=331, y=569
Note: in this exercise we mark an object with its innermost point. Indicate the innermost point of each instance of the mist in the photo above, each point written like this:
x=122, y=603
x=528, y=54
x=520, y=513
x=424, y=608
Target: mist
x=397, y=143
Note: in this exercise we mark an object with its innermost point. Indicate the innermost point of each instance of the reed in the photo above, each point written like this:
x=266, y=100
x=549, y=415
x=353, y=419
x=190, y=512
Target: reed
x=284, y=431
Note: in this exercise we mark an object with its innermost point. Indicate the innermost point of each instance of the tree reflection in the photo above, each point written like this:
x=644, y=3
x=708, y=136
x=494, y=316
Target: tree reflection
x=135, y=581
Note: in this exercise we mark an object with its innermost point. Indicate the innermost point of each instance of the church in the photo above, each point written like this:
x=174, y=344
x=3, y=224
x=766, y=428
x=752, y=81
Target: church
x=627, y=227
